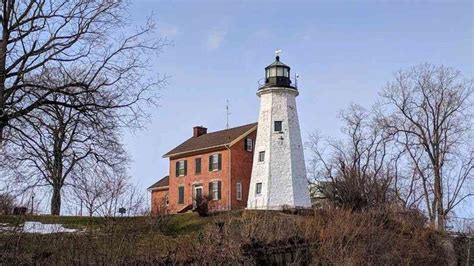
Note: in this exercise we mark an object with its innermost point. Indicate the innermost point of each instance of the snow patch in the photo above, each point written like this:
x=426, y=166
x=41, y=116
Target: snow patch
x=39, y=228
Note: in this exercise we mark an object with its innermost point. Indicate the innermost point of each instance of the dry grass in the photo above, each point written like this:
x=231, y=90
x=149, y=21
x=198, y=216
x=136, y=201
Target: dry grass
x=325, y=237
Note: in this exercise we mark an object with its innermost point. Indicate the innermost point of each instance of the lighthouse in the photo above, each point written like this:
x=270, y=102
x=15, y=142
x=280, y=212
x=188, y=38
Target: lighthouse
x=278, y=173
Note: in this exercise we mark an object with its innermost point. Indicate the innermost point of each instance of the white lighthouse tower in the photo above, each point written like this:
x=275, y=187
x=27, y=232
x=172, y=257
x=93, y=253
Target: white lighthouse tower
x=278, y=172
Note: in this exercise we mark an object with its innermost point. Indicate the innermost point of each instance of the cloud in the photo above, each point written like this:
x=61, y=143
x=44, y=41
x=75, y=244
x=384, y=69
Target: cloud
x=215, y=38
x=166, y=30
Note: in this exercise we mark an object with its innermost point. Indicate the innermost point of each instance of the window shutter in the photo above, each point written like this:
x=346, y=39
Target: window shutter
x=177, y=168
x=210, y=191
x=219, y=190
x=180, y=195
x=197, y=165
x=210, y=163
x=245, y=144
x=185, y=167
x=219, y=160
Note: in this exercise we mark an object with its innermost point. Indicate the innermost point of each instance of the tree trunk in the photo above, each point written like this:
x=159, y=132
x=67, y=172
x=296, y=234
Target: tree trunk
x=439, y=201
x=56, y=200
x=3, y=55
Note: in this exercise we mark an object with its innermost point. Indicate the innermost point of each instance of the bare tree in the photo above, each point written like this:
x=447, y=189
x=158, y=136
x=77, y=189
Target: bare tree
x=89, y=190
x=116, y=185
x=78, y=39
x=356, y=173
x=429, y=111
x=7, y=203
x=55, y=142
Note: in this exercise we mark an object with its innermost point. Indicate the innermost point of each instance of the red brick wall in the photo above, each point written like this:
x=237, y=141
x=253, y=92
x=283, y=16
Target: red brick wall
x=204, y=178
x=240, y=168
x=241, y=171
x=158, y=202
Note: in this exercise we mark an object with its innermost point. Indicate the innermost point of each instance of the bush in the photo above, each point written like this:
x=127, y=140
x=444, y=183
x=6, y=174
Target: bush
x=7, y=202
x=202, y=206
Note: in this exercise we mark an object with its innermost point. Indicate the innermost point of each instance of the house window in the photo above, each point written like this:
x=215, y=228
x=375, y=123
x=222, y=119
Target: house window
x=197, y=164
x=277, y=126
x=181, y=195
x=215, y=162
x=238, y=191
x=215, y=190
x=181, y=168
x=249, y=145
x=258, y=189
x=261, y=156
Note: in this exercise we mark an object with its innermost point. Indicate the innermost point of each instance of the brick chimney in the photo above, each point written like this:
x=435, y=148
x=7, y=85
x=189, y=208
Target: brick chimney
x=198, y=131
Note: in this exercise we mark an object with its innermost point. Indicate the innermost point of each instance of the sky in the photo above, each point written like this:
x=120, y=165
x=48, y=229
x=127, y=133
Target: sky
x=343, y=51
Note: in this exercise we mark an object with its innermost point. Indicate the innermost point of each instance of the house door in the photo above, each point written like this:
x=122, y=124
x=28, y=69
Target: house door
x=197, y=195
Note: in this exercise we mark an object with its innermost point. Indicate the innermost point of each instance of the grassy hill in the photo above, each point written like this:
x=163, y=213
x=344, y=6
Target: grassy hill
x=325, y=237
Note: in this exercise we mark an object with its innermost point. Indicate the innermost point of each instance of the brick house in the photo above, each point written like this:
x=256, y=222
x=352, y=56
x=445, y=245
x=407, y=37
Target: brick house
x=216, y=165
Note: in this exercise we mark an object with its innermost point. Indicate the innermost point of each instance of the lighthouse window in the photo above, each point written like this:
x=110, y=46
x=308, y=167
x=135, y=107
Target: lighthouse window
x=261, y=156
x=277, y=126
x=280, y=71
x=285, y=72
x=258, y=189
x=272, y=72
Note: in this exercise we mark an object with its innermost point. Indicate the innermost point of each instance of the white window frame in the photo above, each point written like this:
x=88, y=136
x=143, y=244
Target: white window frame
x=261, y=156
x=181, y=168
x=257, y=186
x=215, y=165
x=238, y=192
x=249, y=144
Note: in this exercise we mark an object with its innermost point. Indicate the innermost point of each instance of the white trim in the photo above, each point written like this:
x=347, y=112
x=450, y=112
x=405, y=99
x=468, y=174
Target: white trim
x=215, y=188
x=159, y=188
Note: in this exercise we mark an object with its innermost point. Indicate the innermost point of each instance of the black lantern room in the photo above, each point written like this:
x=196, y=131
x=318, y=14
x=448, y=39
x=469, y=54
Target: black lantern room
x=277, y=74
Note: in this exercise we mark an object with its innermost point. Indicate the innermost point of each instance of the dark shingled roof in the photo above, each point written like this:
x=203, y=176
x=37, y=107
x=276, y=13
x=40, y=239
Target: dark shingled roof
x=277, y=63
x=165, y=181
x=210, y=140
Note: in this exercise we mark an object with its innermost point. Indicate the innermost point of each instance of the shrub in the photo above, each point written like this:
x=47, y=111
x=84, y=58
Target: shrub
x=7, y=202
x=202, y=206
